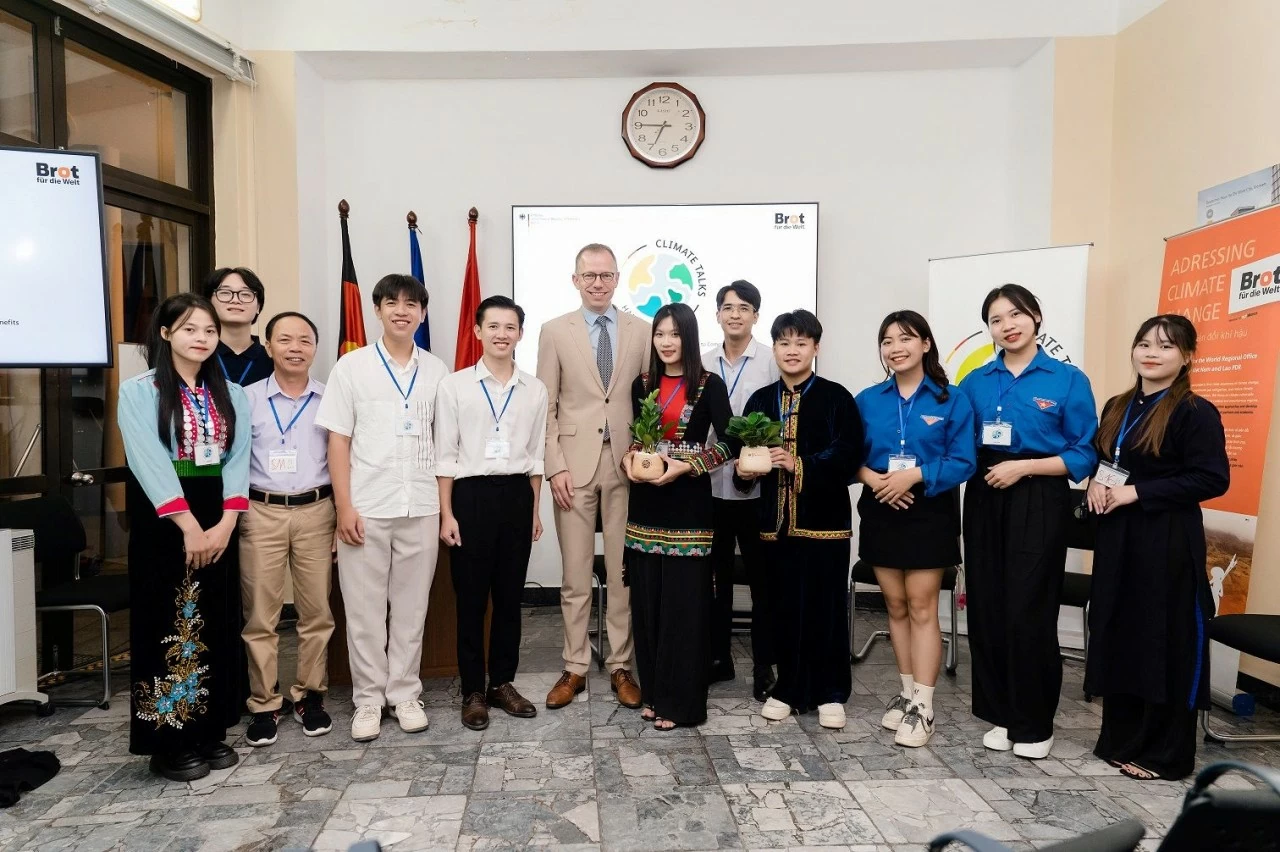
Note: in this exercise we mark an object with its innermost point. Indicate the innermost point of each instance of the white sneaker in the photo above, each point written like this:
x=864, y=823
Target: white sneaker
x=411, y=716
x=997, y=739
x=366, y=724
x=892, y=717
x=774, y=710
x=915, y=729
x=831, y=715
x=1034, y=751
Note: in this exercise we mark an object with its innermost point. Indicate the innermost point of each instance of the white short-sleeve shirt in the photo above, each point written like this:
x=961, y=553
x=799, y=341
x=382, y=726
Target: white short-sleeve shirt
x=393, y=475
x=754, y=370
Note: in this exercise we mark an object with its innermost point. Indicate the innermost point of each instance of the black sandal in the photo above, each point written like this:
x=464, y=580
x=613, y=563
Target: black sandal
x=1139, y=773
x=651, y=718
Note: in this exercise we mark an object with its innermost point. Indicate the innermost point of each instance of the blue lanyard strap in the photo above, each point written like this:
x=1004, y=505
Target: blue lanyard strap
x=790, y=412
x=741, y=370
x=1000, y=374
x=203, y=411
x=1126, y=426
x=497, y=415
x=285, y=429
x=902, y=421
x=404, y=393
x=679, y=385
x=227, y=376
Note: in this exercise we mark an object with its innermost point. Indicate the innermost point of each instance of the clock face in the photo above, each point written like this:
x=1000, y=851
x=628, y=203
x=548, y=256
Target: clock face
x=663, y=125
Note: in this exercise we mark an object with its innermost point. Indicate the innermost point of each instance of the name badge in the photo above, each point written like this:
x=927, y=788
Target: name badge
x=407, y=424
x=996, y=433
x=900, y=462
x=282, y=461
x=207, y=454
x=497, y=448
x=1110, y=475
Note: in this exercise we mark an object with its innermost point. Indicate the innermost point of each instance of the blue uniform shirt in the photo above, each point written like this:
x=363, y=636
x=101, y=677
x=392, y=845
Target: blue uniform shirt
x=938, y=434
x=1050, y=406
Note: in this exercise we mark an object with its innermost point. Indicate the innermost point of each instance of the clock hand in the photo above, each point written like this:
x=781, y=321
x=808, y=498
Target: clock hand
x=661, y=127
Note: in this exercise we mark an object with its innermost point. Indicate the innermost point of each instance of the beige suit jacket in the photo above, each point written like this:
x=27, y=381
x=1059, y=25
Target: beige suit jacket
x=578, y=404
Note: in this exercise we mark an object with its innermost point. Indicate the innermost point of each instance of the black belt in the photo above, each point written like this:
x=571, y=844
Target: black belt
x=302, y=498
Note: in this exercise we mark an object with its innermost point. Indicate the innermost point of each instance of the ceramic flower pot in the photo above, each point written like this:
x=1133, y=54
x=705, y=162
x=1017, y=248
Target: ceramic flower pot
x=755, y=460
x=647, y=466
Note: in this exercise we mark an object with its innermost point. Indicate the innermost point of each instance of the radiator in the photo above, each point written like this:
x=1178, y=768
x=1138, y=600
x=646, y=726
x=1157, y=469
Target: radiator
x=18, y=617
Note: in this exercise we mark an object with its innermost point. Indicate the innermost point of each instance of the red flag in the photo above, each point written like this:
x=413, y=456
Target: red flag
x=469, y=350
x=351, y=325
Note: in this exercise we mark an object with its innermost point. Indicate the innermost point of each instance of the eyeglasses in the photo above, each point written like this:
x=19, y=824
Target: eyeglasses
x=605, y=277
x=244, y=297
x=735, y=310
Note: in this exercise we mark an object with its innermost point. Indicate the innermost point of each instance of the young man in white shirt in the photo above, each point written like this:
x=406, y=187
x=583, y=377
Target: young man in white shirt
x=378, y=407
x=746, y=366
x=491, y=429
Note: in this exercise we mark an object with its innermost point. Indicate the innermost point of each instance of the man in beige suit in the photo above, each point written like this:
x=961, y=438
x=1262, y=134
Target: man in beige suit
x=588, y=359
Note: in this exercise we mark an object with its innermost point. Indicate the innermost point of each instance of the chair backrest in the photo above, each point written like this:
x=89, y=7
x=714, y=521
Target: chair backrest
x=1082, y=525
x=58, y=531
x=1228, y=820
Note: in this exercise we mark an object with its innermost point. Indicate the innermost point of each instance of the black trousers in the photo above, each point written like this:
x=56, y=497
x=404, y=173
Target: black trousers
x=495, y=521
x=809, y=584
x=1158, y=737
x=736, y=521
x=1015, y=555
x=670, y=602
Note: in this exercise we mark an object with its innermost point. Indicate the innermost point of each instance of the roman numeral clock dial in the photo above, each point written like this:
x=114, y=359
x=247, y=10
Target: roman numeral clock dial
x=663, y=125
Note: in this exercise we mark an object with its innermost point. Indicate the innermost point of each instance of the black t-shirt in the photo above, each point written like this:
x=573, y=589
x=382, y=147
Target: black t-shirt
x=251, y=365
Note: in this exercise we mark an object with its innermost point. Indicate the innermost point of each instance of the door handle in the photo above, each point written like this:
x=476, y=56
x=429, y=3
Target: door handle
x=79, y=478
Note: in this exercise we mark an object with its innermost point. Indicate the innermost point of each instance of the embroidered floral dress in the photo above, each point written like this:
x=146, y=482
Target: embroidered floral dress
x=184, y=625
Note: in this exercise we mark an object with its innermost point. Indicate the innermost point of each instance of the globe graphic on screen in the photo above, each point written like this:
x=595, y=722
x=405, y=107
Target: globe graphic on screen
x=655, y=278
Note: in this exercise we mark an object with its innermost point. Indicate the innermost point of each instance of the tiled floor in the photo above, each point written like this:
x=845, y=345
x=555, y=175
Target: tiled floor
x=592, y=776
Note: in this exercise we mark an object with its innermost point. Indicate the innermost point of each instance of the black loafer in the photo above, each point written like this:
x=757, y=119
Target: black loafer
x=179, y=766
x=218, y=755
x=764, y=682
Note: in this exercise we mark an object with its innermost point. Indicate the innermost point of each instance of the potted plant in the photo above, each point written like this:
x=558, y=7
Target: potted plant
x=647, y=429
x=757, y=432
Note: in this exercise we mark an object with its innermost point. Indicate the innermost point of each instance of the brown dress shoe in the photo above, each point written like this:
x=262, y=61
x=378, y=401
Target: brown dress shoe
x=565, y=689
x=627, y=689
x=475, y=714
x=506, y=697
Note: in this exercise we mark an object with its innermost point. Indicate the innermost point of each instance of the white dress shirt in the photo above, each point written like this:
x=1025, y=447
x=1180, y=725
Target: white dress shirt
x=755, y=369
x=466, y=421
x=593, y=331
x=392, y=475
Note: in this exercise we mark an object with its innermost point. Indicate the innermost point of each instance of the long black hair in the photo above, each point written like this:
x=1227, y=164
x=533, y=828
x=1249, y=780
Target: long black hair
x=1179, y=331
x=917, y=326
x=171, y=314
x=690, y=350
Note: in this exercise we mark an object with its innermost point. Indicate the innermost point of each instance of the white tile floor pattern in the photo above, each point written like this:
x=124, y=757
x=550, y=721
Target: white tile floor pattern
x=594, y=776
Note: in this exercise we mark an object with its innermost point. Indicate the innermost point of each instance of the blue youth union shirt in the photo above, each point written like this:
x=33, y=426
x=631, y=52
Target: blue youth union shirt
x=1050, y=405
x=939, y=434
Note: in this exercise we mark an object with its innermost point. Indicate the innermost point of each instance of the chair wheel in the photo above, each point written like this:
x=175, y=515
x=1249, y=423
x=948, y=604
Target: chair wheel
x=106, y=705
x=951, y=670
x=1088, y=698
x=45, y=710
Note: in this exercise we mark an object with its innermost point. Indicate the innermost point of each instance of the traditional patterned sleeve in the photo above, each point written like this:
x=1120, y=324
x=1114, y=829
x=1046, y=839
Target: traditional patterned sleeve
x=715, y=396
x=148, y=459
x=235, y=471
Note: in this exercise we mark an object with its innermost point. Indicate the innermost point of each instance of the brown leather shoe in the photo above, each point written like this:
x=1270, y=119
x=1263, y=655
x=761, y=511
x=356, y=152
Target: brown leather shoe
x=565, y=689
x=506, y=697
x=475, y=714
x=626, y=687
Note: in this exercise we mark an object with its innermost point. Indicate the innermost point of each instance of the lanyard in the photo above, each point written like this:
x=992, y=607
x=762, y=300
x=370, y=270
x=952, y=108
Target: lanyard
x=679, y=385
x=395, y=381
x=790, y=412
x=285, y=429
x=497, y=415
x=741, y=370
x=204, y=412
x=1004, y=390
x=902, y=422
x=1126, y=427
x=244, y=375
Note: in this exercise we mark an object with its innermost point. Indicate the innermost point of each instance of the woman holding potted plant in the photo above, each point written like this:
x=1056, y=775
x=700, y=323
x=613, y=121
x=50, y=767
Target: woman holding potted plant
x=918, y=441
x=669, y=520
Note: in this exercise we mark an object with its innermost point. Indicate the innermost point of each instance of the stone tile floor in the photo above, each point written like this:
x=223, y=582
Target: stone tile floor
x=594, y=776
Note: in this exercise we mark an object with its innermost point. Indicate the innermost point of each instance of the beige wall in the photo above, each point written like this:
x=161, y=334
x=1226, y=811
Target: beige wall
x=1186, y=101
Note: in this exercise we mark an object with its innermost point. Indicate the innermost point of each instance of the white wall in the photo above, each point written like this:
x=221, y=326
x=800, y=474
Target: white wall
x=906, y=166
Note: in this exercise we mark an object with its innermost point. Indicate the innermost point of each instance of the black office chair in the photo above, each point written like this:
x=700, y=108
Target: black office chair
x=60, y=538
x=1216, y=819
x=1077, y=588
x=863, y=572
x=1255, y=635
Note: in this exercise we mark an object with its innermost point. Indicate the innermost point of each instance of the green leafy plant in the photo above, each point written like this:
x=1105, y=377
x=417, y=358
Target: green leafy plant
x=647, y=428
x=756, y=429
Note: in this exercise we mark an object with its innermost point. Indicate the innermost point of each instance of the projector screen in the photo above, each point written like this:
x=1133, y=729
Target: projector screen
x=53, y=282
x=666, y=253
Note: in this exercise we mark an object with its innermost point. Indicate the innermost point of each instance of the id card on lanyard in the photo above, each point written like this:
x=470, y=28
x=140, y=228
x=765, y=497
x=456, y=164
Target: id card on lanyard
x=283, y=460
x=902, y=460
x=205, y=451
x=406, y=425
x=999, y=432
x=496, y=446
x=1109, y=473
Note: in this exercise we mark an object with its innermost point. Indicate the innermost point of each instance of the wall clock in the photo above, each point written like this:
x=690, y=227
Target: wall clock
x=663, y=125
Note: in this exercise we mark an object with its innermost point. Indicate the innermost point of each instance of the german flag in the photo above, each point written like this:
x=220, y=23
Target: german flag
x=351, y=328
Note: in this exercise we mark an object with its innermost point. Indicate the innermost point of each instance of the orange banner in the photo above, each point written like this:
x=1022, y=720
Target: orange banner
x=1223, y=277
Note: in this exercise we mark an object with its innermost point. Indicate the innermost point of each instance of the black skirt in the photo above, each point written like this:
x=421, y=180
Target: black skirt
x=671, y=620
x=924, y=535
x=184, y=627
